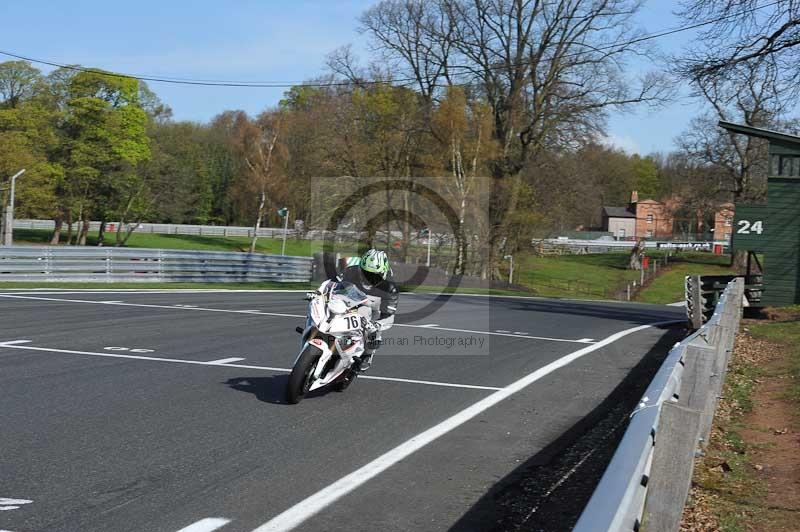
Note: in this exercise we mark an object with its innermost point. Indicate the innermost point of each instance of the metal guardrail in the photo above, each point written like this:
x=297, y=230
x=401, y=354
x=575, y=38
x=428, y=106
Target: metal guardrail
x=691, y=377
x=82, y=264
x=168, y=229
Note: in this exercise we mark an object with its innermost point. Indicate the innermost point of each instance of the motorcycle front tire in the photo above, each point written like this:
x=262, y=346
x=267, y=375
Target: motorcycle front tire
x=300, y=378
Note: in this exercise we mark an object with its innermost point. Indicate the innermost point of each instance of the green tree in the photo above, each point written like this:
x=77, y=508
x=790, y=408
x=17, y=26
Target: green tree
x=647, y=179
x=106, y=138
x=19, y=81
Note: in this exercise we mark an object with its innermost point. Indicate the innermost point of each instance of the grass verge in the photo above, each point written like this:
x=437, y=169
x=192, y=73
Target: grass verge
x=747, y=478
x=669, y=285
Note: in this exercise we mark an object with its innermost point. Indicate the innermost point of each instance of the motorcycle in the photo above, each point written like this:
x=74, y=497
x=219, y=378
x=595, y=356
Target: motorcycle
x=333, y=339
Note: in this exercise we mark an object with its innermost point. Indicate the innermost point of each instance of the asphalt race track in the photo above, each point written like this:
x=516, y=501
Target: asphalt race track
x=163, y=411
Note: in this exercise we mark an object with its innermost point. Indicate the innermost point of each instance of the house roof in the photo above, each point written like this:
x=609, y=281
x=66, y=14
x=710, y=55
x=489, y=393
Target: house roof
x=760, y=132
x=618, y=212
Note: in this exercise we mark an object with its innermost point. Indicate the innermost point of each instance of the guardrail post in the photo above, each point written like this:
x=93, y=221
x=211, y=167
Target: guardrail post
x=673, y=464
x=698, y=384
x=109, y=265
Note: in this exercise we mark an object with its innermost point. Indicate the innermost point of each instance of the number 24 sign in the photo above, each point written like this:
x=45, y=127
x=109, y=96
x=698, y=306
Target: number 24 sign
x=746, y=227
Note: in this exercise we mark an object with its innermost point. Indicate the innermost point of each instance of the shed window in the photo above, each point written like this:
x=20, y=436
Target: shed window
x=727, y=221
x=784, y=166
x=649, y=218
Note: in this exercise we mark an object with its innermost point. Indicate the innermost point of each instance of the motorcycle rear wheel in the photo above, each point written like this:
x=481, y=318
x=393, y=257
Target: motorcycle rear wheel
x=300, y=378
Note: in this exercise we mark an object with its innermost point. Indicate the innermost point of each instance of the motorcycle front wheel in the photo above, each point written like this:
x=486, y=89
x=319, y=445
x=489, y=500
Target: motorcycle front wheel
x=300, y=378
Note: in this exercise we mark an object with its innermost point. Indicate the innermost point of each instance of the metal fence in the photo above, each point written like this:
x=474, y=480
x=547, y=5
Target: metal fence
x=80, y=264
x=167, y=229
x=580, y=246
x=649, y=476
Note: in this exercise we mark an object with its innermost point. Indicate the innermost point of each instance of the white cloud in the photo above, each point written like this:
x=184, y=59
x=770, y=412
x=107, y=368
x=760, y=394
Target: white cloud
x=625, y=143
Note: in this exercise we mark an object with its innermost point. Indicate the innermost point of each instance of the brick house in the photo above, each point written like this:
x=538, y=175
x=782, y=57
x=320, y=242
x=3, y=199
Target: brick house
x=723, y=222
x=640, y=219
x=654, y=219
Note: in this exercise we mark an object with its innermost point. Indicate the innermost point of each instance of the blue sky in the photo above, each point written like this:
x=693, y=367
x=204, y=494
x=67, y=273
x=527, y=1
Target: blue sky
x=267, y=40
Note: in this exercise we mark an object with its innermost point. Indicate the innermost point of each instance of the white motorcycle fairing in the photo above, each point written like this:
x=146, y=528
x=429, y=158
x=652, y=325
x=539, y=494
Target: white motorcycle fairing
x=346, y=331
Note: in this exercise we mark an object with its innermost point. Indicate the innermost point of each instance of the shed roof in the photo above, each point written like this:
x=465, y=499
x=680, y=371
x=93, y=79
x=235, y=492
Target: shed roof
x=760, y=132
x=618, y=212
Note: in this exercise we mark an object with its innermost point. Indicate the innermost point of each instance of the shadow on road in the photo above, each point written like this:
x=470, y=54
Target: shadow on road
x=549, y=491
x=270, y=389
x=636, y=313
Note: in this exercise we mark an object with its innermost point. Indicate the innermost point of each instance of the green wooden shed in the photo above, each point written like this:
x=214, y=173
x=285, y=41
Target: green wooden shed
x=772, y=230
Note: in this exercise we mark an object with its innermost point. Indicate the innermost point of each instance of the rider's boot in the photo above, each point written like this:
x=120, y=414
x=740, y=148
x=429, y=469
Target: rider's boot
x=364, y=362
x=372, y=344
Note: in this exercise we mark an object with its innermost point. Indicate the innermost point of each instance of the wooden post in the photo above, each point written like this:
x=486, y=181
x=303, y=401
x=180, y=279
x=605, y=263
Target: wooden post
x=697, y=390
x=673, y=464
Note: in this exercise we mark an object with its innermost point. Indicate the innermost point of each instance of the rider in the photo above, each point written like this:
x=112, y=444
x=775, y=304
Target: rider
x=372, y=275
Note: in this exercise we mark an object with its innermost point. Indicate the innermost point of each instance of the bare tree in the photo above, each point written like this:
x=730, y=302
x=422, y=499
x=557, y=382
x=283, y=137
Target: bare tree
x=254, y=143
x=743, y=32
x=753, y=94
x=548, y=70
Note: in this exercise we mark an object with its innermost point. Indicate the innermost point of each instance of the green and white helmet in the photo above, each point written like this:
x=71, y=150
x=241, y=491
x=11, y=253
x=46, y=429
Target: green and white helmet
x=375, y=262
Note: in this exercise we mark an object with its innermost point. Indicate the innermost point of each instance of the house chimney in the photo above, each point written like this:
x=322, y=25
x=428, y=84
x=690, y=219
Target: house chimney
x=634, y=197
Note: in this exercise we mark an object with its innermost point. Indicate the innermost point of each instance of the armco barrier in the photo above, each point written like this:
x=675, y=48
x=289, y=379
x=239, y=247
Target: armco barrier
x=87, y=264
x=166, y=229
x=649, y=475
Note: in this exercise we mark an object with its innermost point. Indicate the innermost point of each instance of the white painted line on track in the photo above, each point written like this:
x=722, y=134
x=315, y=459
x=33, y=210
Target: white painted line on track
x=226, y=360
x=512, y=335
x=429, y=325
x=300, y=512
x=150, y=305
x=677, y=304
x=55, y=291
x=586, y=340
x=15, y=342
x=221, y=363
x=279, y=314
x=206, y=525
x=430, y=383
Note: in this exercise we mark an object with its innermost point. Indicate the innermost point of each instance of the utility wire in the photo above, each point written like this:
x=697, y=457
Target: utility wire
x=347, y=83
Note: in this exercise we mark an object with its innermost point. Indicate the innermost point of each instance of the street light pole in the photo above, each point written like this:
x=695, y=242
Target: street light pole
x=8, y=230
x=428, y=262
x=510, y=258
x=285, y=230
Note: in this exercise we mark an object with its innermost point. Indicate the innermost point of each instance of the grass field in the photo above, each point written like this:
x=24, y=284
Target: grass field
x=668, y=286
x=303, y=248
x=593, y=276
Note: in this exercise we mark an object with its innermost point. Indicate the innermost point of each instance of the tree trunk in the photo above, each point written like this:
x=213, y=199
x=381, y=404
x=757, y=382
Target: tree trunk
x=118, y=238
x=635, y=261
x=739, y=261
x=128, y=232
x=84, y=230
x=56, y=237
x=261, y=204
x=69, y=228
x=101, y=234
